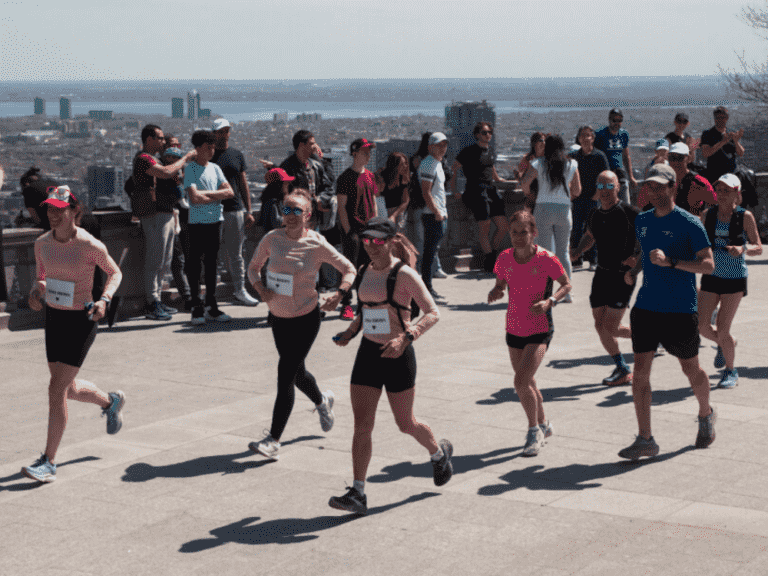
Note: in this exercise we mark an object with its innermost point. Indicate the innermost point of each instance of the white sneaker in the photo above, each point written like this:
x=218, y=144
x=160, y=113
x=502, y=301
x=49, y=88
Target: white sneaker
x=268, y=447
x=325, y=409
x=546, y=429
x=245, y=298
x=440, y=274
x=213, y=313
x=533, y=442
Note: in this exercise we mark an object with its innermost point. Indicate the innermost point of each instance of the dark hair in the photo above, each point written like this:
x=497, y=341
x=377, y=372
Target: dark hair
x=581, y=129
x=524, y=214
x=301, y=137
x=148, y=131
x=535, y=137
x=390, y=172
x=404, y=249
x=169, y=137
x=554, y=156
x=201, y=137
x=479, y=127
x=28, y=176
x=423, y=150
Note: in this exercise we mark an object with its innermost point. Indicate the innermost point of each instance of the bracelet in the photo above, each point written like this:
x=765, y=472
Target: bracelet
x=107, y=300
x=672, y=263
x=344, y=293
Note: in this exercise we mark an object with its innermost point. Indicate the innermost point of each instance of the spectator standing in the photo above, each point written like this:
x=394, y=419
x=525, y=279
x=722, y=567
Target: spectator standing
x=614, y=141
x=33, y=189
x=721, y=147
x=693, y=190
x=278, y=184
x=237, y=210
x=537, y=151
x=591, y=162
x=480, y=195
x=434, y=216
x=156, y=224
x=395, y=183
x=660, y=155
x=680, y=135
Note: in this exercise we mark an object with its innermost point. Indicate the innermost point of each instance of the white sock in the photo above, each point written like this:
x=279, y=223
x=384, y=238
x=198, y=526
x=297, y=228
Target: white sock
x=437, y=455
x=359, y=485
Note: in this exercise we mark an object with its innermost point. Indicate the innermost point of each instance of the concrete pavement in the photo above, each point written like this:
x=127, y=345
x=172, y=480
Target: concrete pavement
x=178, y=492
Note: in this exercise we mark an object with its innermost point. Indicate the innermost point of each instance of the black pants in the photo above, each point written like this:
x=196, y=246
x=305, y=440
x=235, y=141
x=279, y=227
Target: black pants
x=178, y=261
x=203, y=248
x=353, y=251
x=293, y=339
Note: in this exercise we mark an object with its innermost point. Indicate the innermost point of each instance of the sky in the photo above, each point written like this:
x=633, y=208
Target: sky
x=48, y=40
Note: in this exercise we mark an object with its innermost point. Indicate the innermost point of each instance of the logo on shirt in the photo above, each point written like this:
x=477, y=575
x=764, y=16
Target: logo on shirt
x=534, y=270
x=668, y=233
x=643, y=230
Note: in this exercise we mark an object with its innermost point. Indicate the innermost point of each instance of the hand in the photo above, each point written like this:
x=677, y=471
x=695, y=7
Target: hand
x=331, y=303
x=440, y=217
x=736, y=136
x=395, y=347
x=630, y=278
x=191, y=155
x=36, y=297
x=267, y=164
x=342, y=338
x=99, y=310
x=264, y=293
x=249, y=220
x=659, y=258
x=573, y=255
x=735, y=251
x=631, y=262
x=496, y=294
x=541, y=307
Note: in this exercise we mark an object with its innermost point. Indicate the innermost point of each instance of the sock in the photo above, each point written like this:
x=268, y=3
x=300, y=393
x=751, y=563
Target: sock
x=359, y=485
x=437, y=455
x=620, y=363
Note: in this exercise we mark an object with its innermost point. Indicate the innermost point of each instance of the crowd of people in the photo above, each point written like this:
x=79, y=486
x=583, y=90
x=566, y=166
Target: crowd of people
x=577, y=207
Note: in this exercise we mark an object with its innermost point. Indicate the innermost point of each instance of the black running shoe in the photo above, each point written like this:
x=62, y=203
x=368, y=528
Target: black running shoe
x=443, y=469
x=352, y=501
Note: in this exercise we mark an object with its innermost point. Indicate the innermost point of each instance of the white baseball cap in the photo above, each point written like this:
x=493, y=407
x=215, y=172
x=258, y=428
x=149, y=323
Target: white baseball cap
x=220, y=123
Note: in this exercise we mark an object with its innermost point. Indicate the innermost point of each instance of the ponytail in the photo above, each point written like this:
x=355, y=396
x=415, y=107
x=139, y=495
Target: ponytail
x=404, y=249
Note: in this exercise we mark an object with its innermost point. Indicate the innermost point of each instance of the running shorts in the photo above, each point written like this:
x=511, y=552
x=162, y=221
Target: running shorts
x=394, y=374
x=717, y=285
x=68, y=335
x=522, y=341
x=609, y=289
x=678, y=332
x=484, y=203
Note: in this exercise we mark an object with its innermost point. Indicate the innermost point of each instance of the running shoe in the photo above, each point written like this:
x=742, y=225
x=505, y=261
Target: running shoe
x=546, y=429
x=706, y=433
x=198, y=315
x=533, y=442
x=729, y=380
x=352, y=501
x=592, y=266
x=268, y=447
x=213, y=313
x=435, y=295
x=640, y=447
x=245, y=298
x=156, y=312
x=114, y=418
x=442, y=469
x=43, y=470
x=168, y=309
x=325, y=410
x=719, y=358
x=440, y=274
x=348, y=313
x=618, y=377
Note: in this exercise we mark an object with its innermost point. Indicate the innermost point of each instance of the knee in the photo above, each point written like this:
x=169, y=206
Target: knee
x=58, y=389
x=692, y=370
x=364, y=427
x=522, y=381
x=406, y=426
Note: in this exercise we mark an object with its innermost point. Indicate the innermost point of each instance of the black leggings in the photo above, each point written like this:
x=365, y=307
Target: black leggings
x=293, y=339
x=203, y=245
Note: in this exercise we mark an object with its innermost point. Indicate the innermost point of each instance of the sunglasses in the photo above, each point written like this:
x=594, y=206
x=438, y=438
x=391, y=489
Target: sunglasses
x=605, y=186
x=376, y=241
x=676, y=157
x=287, y=210
x=486, y=132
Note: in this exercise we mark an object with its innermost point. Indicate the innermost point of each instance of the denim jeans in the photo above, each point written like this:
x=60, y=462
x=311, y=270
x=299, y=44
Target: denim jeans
x=418, y=230
x=434, y=231
x=554, y=224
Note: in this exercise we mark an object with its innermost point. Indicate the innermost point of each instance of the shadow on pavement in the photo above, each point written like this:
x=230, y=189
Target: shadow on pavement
x=29, y=484
x=231, y=326
x=461, y=464
x=285, y=530
x=559, y=394
x=753, y=373
x=603, y=360
x=476, y=307
x=218, y=464
x=570, y=477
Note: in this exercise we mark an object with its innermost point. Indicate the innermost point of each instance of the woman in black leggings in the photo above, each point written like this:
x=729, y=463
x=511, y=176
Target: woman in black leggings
x=295, y=254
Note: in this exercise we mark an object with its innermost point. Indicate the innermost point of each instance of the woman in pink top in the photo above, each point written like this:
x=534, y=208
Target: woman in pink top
x=528, y=271
x=295, y=254
x=66, y=258
x=386, y=356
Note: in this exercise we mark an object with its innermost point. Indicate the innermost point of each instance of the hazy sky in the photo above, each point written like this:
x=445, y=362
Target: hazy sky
x=302, y=39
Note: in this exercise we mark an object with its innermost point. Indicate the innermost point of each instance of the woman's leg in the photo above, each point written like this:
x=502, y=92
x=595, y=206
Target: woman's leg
x=402, y=408
x=562, y=232
x=525, y=363
x=545, y=223
x=364, y=402
x=729, y=304
x=707, y=303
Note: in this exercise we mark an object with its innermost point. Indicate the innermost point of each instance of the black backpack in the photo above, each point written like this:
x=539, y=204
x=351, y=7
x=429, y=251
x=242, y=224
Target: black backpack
x=748, y=186
x=391, y=281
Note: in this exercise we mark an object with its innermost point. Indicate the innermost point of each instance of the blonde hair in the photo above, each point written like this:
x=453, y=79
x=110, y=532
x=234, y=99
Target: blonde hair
x=404, y=249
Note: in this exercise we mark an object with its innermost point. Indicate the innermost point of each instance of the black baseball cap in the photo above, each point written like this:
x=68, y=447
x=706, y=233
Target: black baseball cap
x=681, y=117
x=379, y=227
x=616, y=112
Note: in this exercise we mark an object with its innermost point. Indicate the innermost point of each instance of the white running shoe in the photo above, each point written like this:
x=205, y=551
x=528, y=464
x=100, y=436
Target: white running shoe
x=245, y=298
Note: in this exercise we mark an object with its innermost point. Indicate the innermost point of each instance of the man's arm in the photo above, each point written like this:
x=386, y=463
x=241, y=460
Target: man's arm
x=587, y=241
x=429, y=200
x=245, y=194
x=496, y=177
x=736, y=138
x=703, y=264
x=207, y=196
x=341, y=200
x=708, y=149
x=454, y=170
x=166, y=172
x=628, y=164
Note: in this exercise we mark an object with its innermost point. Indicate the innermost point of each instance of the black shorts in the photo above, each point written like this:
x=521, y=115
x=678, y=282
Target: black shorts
x=521, y=342
x=678, y=332
x=717, y=285
x=396, y=374
x=484, y=203
x=609, y=289
x=68, y=335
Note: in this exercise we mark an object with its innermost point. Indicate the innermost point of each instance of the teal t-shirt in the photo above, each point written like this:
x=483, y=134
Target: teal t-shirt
x=208, y=177
x=680, y=235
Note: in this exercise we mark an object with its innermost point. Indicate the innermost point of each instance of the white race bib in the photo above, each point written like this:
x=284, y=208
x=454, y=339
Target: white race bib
x=376, y=321
x=280, y=283
x=59, y=292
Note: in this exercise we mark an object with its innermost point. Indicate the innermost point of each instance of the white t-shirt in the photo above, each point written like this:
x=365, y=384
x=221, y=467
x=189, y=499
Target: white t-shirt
x=549, y=195
x=209, y=177
x=431, y=170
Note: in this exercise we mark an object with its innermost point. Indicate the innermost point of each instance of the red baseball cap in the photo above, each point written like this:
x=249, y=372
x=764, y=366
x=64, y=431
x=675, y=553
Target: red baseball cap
x=359, y=144
x=59, y=196
x=278, y=175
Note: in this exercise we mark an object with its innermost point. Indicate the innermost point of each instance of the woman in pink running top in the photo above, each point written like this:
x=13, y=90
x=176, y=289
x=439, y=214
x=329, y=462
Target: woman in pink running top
x=295, y=254
x=66, y=257
x=386, y=357
x=528, y=271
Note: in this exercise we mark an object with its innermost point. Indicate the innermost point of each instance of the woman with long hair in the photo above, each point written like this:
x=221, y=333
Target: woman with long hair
x=528, y=271
x=66, y=258
x=386, y=358
x=733, y=233
x=295, y=253
x=559, y=183
x=395, y=183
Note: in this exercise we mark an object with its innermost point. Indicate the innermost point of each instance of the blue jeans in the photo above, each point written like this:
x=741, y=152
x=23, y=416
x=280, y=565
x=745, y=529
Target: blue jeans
x=581, y=210
x=554, y=224
x=418, y=230
x=433, y=233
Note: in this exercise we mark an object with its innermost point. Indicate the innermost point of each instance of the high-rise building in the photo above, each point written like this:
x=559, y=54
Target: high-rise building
x=65, y=108
x=341, y=159
x=460, y=120
x=105, y=186
x=177, y=107
x=39, y=107
x=193, y=101
x=203, y=112
x=100, y=114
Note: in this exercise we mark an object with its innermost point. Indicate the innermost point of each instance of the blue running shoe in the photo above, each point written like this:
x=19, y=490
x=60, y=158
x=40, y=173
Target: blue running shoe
x=43, y=470
x=730, y=379
x=114, y=418
x=719, y=358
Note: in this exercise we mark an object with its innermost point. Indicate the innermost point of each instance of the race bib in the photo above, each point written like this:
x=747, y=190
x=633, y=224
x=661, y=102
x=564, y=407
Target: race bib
x=59, y=292
x=376, y=321
x=280, y=283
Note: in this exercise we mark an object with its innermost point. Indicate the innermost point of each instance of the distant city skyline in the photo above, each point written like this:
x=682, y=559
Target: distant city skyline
x=110, y=40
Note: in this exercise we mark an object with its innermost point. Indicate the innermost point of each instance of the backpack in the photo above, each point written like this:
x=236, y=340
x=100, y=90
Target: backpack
x=391, y=281
x=130, y=186
x=748, y=186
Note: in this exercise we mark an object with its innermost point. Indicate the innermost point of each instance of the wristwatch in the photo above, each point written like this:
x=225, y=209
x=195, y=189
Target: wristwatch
x=672, y=263
x=410, y=336
x=107, y=300
x=344, y=293
x=553, y=300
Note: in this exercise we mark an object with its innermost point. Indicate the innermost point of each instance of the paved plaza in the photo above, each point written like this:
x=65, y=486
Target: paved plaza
x=178, y=492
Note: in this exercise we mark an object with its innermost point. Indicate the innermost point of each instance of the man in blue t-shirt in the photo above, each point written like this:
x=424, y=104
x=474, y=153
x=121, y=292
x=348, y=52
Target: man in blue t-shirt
x=675, y=248
x=613, y=140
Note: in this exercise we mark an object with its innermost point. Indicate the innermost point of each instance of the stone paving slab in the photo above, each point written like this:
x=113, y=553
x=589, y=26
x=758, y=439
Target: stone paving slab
x=177, y=491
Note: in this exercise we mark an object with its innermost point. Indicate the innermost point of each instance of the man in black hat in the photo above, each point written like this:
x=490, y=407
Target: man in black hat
x=613, y=140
